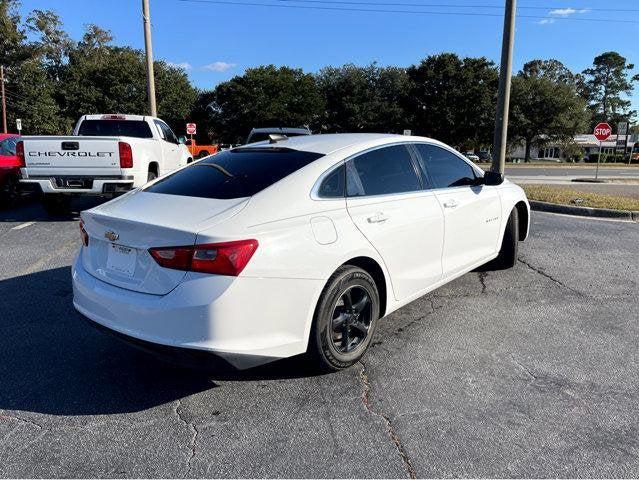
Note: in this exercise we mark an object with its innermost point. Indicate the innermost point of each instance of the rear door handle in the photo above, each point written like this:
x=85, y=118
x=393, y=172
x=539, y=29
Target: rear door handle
x=451, y=204
x=377, y=218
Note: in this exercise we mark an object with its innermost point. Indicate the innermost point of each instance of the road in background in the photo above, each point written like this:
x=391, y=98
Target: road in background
x=572, y=172
x=523, y=373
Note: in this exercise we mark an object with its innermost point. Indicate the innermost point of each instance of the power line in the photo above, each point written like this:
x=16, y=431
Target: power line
x=571, y=10
x=15, y=95
x=422, y=12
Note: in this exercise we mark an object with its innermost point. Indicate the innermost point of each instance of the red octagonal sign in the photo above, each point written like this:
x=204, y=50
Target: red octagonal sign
x=602, y=131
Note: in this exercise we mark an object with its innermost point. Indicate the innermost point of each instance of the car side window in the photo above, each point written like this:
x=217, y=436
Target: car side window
x=443, y=168
x=166, y=132
x=333, y=185
x=383, y=171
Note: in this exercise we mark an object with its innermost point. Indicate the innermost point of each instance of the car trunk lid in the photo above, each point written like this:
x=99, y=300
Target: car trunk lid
x=122, y=231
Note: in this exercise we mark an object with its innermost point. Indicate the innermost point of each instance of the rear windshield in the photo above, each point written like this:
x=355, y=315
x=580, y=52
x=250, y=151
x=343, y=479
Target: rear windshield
x=237, y=173
x=115, y=128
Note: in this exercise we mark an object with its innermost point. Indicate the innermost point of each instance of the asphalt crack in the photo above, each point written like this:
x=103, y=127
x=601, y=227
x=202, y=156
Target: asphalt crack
x=390, y=430
x=523, y=367
x=23, y=420
x=550, y=277
x=482, y=280
x=193, y=442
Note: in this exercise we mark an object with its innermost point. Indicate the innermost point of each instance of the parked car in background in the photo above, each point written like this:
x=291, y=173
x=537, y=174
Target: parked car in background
x=9, y=169
x=485, y=156
x=261, y=134
x=472, y=157
x=106, y=155
x=199, y=151
x=271, y=250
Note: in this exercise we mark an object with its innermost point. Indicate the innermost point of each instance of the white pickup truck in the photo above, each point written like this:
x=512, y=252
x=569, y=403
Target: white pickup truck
x=106, y=155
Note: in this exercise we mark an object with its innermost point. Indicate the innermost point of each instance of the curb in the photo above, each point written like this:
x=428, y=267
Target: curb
x=584, y=211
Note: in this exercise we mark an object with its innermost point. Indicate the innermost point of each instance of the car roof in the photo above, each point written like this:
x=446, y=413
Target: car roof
x=331, y=142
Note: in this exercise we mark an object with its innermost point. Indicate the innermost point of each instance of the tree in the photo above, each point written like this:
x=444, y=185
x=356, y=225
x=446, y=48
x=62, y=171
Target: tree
x=34, y=100
x=102, y=78
x=606, y=86
x=454, y=99
x=12, y=36
x=545, y=107
x=367, y=99
x=551, y=69
x=265, y=96
x=53, y=42
x=175, y=95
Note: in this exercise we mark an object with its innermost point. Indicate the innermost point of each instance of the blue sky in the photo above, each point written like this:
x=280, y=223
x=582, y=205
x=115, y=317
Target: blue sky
x=217, y=41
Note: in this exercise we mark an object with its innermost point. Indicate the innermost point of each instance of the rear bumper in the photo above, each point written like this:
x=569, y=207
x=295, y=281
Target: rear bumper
x=79, y=185
x=244, y=321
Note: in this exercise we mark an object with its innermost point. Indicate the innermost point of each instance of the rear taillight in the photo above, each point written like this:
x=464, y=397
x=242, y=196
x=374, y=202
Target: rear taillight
x=84, y=234
x=126, y=155
x=20, y=153
x=226, y=258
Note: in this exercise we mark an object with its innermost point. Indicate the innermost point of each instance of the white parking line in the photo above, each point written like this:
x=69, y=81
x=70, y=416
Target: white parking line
x=23, y=225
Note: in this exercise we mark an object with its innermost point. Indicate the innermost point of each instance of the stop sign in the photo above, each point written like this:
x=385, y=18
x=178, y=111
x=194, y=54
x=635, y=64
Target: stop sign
x=602, y=131
x=191, y=128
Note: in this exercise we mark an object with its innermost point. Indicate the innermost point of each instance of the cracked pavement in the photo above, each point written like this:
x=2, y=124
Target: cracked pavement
x=530, y=372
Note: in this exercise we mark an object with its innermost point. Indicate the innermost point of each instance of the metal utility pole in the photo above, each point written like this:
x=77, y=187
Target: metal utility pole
x=4, y=101
x=503, y=100
x=150, y=77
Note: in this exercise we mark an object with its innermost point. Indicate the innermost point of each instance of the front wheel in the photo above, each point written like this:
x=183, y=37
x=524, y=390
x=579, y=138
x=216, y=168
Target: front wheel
x=507, y=257
x=345, y=319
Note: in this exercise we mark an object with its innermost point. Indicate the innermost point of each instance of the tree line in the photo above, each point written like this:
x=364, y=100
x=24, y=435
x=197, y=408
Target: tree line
x=52, y=80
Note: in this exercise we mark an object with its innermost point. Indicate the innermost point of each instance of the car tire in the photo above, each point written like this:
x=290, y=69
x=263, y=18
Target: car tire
x=202, y=154
x=56, y=204
x=341, y=333
x=507, y=257
x=9, y=192
x=151, y=176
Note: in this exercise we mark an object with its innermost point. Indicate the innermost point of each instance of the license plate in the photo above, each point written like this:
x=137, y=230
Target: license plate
x=121, y=259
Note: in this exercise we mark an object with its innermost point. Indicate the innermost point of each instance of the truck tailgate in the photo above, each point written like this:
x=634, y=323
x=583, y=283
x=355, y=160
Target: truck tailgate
x=86, y=156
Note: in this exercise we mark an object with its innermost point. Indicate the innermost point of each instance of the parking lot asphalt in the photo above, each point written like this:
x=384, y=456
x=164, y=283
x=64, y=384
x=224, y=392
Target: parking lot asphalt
x=530, y=372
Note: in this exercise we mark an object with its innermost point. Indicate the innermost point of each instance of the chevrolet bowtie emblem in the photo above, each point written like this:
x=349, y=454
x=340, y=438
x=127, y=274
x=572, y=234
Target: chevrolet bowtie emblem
x=111, y=236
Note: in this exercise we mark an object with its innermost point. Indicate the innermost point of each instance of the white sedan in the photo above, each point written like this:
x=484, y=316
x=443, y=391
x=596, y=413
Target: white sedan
x=291, y=245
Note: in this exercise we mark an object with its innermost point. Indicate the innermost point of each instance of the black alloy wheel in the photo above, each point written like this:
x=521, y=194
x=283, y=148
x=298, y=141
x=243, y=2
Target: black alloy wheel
x=352, y=319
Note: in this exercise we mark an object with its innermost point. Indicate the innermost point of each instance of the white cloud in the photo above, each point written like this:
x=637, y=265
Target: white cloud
x=546, y=21
x=564, y=12
x=182, y=65
x=219, y=66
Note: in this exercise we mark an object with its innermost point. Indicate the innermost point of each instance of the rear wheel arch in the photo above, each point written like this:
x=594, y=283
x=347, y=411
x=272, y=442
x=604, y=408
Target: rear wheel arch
x=154, y=167
x=373, y=268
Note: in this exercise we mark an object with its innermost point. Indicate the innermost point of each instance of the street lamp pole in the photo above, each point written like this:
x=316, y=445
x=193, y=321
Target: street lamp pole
x=148, y=46
x=503, y=99
x=4, y=101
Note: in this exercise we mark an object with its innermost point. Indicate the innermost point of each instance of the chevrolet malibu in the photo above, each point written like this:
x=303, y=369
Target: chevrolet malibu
x=291, y=245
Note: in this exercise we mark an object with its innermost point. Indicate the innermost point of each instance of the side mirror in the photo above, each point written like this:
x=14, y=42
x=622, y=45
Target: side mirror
x=182, y=140
x=493, y=178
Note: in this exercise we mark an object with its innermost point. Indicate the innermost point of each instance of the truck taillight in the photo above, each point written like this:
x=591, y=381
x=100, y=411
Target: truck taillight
x=20, y=153
x=226, y=258
x=126, y=155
